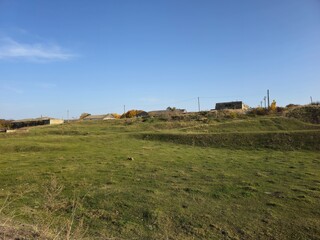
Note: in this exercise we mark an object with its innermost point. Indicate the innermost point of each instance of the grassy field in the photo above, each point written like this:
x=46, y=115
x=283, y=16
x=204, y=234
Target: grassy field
x=162, y=180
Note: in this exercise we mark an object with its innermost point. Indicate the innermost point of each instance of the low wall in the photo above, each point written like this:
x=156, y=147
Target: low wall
x=56, y=121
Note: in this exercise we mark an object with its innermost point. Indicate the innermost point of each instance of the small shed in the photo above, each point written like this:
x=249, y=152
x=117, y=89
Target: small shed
x=231, y=105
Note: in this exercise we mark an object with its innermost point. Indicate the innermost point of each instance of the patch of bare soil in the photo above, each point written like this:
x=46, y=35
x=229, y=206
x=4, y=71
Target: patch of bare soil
x=17, y=233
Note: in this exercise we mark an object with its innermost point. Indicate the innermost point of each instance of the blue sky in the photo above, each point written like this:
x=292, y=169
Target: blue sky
x=97, y=56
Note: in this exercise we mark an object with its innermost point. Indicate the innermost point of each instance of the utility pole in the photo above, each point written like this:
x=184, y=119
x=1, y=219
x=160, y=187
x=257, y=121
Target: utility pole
x=311, y=99
x=198, y=104
x=268, y=98
x=265, y=101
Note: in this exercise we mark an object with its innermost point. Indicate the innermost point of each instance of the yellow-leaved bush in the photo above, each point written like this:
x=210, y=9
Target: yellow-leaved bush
x=273, y=106
x=116, y=115
x=131, y=113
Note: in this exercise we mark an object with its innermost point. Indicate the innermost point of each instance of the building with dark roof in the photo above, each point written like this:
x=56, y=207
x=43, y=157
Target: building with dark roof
x=35, y=122
x=231, y=105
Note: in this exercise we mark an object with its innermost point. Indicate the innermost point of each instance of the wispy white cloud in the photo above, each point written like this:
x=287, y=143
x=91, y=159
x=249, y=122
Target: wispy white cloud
x=11, y=49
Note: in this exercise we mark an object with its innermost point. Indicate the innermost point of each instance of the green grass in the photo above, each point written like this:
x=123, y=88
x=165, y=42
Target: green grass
x=283, y=140
x=172, y=189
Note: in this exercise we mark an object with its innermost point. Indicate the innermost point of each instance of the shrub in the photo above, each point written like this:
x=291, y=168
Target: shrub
x=273, y=106
x=258, y=111
x=165, y=117
x=131, y=114
x=315, y=103
x=308, y=113
x=177, y=117
x=291, y=105
x=280, y=109
x=116, y=115
x=232, y=115
x=172, y=109
x=6, y=124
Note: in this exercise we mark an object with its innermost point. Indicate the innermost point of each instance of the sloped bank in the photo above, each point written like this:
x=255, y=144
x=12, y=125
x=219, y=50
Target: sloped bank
x=304, y=140
x=309, y=113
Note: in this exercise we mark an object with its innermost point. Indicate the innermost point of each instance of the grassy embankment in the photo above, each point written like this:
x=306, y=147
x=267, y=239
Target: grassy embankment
x=255, y=178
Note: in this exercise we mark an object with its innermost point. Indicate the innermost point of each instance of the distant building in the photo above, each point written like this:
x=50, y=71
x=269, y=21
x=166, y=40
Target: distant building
x=35, y=122
x=109, y=117
x=94, y=117
x=99, y=117
x=231, y=105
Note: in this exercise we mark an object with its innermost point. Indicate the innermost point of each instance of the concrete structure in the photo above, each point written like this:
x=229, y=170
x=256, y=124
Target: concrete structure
x=231, y=105
x=35, y=122
x=99, y=117
x=17, y=130
x=54, y=121
x=94, y=117
x=109, y=117
x=11, y=130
